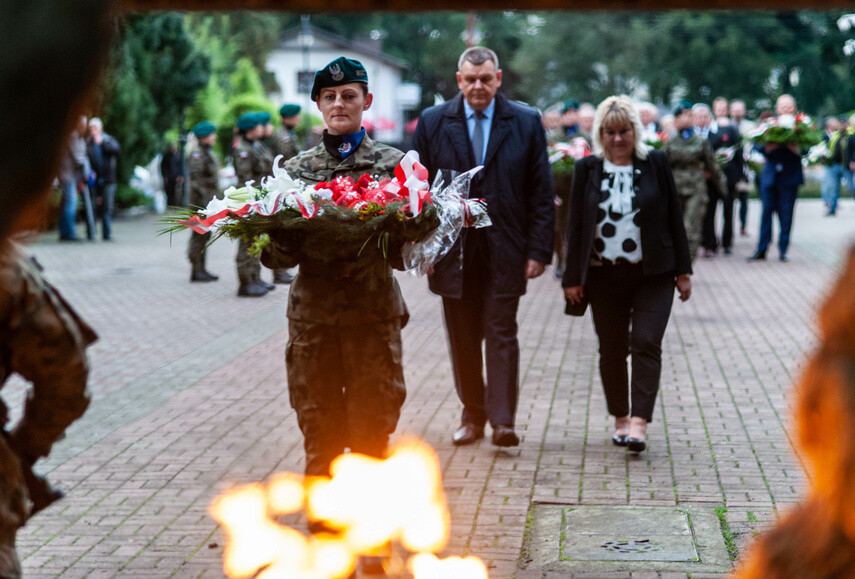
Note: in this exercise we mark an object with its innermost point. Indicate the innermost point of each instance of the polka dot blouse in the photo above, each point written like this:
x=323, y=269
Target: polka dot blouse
x=618, y=237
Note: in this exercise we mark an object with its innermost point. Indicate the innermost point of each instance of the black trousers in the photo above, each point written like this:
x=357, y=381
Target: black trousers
x=709, y=239
x=630, y=312
x=479, y=319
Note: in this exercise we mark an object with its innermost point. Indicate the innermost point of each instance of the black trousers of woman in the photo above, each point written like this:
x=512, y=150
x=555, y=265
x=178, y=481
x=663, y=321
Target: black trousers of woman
x=630, y=314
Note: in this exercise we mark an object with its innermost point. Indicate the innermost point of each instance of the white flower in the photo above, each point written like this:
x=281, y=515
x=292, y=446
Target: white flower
x=787, y=121
x=280, y=181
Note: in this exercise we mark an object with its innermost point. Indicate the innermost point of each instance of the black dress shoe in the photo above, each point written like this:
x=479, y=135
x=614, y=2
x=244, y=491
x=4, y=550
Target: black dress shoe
x=758, y=256
x=620, y=439
x=467, y=434
x=783, y=257
x=635, y=445
x=505, y=436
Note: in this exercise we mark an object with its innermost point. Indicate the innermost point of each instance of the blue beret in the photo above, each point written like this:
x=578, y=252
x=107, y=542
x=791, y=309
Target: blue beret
x=204, y=129
x=247, y=121
x=263, y=117
x=289, y=110
x=340, y=71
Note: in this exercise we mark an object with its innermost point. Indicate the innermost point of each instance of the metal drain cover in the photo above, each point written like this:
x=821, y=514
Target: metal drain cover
x=613, y=538
x=631, y=546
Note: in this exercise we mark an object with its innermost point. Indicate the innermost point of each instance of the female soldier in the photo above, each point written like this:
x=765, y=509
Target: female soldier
x=345, y=379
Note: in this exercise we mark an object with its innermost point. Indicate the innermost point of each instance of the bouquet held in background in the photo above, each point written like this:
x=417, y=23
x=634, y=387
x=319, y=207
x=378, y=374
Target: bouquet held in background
x=787, y=130
x=563, y=156
x=818, y=154
x=357, y=223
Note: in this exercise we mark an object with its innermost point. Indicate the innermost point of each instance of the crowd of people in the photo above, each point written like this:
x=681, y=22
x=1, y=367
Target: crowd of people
x=714, y=161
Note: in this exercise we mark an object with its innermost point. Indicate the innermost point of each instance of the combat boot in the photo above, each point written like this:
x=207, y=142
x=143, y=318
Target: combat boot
x=282, y=276
x=250, y=288
x=264, y=284
x=199, y=274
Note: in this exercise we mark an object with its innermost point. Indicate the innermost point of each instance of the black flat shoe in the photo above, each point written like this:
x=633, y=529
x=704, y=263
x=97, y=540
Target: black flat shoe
x=620, y=439
x=635, y=445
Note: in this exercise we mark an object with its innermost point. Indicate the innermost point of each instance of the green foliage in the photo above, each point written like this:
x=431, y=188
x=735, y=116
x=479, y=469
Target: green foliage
x=696, y=55
x=245, y=80
x=154, y=75
x=127, y=196
x=209, y=105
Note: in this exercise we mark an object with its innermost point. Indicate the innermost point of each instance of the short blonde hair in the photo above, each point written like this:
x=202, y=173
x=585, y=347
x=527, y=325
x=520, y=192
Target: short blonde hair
x=618, y=111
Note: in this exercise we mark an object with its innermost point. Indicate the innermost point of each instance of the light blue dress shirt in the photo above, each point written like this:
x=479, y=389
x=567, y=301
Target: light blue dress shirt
x=486, y=122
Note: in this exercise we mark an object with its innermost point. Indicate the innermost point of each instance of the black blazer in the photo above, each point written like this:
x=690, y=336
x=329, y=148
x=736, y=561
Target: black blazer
x=728, y=136
x=664, y=247
x=516, y=181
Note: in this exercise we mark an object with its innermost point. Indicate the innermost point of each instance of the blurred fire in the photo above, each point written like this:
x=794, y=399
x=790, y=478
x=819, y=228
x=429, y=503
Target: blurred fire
x=368, y=504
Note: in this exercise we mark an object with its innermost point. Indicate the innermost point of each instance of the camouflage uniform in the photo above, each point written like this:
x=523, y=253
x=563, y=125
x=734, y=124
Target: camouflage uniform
x=204, y=186
x=252, y=163
x=689, y=159
x=345, y=378
x=284, y=142
x=44, y=341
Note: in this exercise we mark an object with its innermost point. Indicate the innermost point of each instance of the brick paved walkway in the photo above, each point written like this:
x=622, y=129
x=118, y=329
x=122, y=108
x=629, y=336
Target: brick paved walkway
x=189, y=398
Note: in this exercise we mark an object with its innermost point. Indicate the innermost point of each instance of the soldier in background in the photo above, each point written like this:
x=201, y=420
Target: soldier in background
x=285, y=143
x=44, y=341
x=693, y=163
x=204, y=186
x=250, y=165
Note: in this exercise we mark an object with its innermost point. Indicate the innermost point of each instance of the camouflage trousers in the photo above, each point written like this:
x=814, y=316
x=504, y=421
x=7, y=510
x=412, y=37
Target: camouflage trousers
x=346, y=384
x=694, y=208
x=248, y=266
x=196, y=248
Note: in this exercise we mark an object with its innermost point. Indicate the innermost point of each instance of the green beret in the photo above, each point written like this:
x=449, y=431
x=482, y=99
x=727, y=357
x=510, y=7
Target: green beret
x=684, y=105
x=204, y=129
x=263, y=117
x=340, y=71
x=247, y=121
x=289, y=110
x=569, y=104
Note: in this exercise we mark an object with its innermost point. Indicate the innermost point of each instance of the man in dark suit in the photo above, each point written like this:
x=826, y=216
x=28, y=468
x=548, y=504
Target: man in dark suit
x=779, y=184
x=727, y=144
x=485, y=273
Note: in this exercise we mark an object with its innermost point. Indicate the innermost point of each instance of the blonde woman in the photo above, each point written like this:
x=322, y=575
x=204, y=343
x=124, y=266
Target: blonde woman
x=626, y=252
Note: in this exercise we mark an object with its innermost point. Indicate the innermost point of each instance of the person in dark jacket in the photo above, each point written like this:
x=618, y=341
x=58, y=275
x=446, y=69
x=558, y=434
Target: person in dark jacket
x=172, y=171
x=779, y=185
x=103, y=151
x=626, y=251
x=483, y=276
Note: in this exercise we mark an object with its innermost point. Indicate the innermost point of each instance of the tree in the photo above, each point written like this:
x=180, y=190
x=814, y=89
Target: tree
x=155, y=74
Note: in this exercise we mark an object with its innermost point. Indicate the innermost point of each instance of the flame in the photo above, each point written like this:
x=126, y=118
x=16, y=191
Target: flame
x=370, y=502
x=427, y=566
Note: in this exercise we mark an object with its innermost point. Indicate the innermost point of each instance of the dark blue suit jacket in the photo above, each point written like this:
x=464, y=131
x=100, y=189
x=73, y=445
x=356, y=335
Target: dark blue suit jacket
x=516, y=182
x=783, y=168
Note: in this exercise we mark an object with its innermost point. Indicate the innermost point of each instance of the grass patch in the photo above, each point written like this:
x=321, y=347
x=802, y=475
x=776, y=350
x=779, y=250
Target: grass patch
x=752, y=518
x=721, y=513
